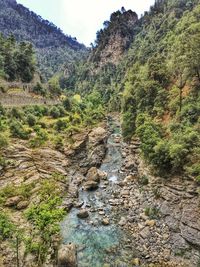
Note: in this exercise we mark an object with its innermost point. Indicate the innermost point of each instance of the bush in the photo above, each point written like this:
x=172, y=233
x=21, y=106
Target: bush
x=60, y=125
x=7, y=228
x=67, y=104
x=31, y=120
x=62, y=111
x=59, y=143
x=40, y=139
x=3, y=141
x=54, y=112
x=2, y=111
x=39, y=89
x=16, y=113
x=151, y=212
x=178, y=154
x=17, y=130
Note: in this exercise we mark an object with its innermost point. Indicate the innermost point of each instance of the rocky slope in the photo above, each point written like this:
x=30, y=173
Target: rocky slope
x=160, y=217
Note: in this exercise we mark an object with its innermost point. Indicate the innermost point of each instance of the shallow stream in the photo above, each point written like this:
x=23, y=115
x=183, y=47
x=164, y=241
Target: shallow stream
x=100, y=245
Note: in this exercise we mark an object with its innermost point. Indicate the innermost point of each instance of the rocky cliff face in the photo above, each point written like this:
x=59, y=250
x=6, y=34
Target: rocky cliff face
x=115, y=38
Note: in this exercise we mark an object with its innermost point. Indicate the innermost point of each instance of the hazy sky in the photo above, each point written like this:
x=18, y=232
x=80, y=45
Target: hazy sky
x=82, y=18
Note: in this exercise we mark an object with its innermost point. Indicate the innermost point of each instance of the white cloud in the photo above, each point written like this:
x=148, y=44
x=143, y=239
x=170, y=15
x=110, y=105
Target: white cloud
x=84, y=17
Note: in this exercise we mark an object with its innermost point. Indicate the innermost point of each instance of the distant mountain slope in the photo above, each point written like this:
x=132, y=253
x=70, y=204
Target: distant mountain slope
x=53, y=47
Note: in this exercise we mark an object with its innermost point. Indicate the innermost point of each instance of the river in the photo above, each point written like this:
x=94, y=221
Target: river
x=99, y=245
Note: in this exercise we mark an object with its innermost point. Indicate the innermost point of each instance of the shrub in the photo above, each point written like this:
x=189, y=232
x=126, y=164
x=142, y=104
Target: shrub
x=178, y=154
x=40, y=139
x=17, y=130
x=16, y=113
x=60, y=125
x=31, y=120
x=39, y=89
x=46, y=215
x=59, y=145
x=151, y=212
x=2, y=111
x=54, y=112
x=67, y=104
x=3, y=141
x=7, y=228
x=61, y=111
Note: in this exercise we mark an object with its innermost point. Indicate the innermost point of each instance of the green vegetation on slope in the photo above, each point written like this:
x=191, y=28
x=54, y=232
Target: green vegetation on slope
x=161, y=101
x=53, y=47
x=16, y=60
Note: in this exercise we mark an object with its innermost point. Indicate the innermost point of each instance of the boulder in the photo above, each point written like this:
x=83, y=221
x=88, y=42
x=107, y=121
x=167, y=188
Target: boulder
x=67, y=256
x=103, y=175
x=97, y=135
x=90, y=185
x=82, y=214
x=13, y=201
x=93, y=175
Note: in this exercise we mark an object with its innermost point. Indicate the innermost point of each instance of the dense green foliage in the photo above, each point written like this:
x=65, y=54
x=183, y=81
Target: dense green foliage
x=161, y=102
x=53, y=47
x=16, y=60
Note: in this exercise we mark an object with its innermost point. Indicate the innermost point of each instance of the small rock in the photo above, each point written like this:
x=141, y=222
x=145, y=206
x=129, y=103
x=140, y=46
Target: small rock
x=67, y=205
x=13, y=201
x=103, y=175
x=136, y=262
x=105, y=221
x=145, y=233
x=150, y=223
x=122, y=221
x=22, y=205
x=79, y=204
x=82, y=214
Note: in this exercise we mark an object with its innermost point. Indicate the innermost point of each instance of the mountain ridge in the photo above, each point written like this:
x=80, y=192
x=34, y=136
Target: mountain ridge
x=52, y=46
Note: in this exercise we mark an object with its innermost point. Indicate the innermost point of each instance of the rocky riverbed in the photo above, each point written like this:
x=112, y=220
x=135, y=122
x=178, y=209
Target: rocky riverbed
x=131, y=218
x=119, y=215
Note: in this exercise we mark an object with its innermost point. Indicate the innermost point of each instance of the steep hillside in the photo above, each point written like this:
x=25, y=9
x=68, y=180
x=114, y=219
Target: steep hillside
x=161, y=100
x=52, y=46
x=98, y=70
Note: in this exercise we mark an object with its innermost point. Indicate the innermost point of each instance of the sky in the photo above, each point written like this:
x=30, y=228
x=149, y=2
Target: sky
x=82, y=18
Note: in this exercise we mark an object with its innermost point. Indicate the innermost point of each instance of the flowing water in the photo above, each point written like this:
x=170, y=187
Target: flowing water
x=97, y=244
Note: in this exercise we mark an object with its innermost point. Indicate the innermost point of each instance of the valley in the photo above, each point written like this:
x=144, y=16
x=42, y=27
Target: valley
x=100, y=147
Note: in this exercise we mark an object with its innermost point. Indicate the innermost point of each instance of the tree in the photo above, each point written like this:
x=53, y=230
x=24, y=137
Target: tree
x=54, y=86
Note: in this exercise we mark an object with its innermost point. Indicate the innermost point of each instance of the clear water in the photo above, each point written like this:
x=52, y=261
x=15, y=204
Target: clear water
x=97, y=244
